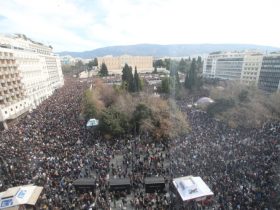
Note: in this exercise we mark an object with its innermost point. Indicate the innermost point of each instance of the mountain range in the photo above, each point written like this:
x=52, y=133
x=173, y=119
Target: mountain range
x=175, y=50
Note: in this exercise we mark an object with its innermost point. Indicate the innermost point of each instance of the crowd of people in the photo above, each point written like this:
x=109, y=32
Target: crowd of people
x=241, y=166
x=44, y=148
x=51, y=147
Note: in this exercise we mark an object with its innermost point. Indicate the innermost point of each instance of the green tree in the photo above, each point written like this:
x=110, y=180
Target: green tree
x=199, y=64
x=165, y=86
x=243, y=96
x=159, y=63
x=141, y=113
x=89, y=109
x=127, y=78
x=191, y=76
x=67, y=69
x=182, y=67
x=174, y=80
x=103, y=70
x=79, y=67
x=155, y=70
x=92, y=63
x=114, y=122
x=125, y=73
x=95, y=62
x=137, y=81
x=167, y=63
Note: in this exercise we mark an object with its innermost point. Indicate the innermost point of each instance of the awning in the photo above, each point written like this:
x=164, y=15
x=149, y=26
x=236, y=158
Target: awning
x=21, y=195
x=192, y=188
x=92, y=122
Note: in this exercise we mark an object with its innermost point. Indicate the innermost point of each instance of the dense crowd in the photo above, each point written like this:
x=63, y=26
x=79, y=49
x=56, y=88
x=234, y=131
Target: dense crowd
x=45, y=148
x=52, y=148
x=241, y=166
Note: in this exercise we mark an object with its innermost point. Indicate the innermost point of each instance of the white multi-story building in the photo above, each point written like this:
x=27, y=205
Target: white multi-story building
x=39, y=69
x=226, y=65
x=251, y=68
x=13, y=100
x=269, y=77
x=243, y=66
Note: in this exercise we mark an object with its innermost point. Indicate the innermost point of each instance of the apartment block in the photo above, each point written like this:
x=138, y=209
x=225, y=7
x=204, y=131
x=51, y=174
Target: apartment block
x=251, y=68
x=224, y=65
x=269, y=79
x=13, y=100
x=39, y=70
x=209, y=65
x=115, y=64
x=229, y=68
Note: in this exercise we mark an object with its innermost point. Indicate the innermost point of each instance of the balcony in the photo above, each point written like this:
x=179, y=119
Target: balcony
x=7, y=57
x=18, y=113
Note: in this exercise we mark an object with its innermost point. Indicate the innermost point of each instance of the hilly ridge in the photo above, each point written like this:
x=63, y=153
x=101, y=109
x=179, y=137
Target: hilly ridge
x=175, y=50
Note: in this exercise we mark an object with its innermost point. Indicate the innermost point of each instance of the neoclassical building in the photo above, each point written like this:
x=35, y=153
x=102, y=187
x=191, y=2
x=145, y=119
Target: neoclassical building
x=116, y=64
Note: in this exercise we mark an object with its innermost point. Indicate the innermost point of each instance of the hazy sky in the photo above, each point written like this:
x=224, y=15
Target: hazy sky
x=79, y=25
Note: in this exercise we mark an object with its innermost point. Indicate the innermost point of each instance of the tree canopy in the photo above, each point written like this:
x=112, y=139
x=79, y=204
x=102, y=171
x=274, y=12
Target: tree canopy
x=192, y=80
x=130, y=82
x=245, y=106
x=92, y=63
x=103, y=70
x=127, y=113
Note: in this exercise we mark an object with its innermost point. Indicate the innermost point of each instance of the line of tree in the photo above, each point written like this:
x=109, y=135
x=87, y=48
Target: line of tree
x=193, y=78
x=182, y=66
x=79, y=66
x=130, y=82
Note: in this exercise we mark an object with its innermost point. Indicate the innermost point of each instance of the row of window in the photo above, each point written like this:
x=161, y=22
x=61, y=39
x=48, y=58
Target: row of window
x=251, y=69
x=16, y=107
x=251, y=78
x=252, y=64
x=250, y=73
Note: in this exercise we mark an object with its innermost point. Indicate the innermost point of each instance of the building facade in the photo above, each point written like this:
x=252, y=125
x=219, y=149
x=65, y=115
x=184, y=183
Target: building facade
x=224, y=65
x=13, y=100
x=39, y=70
x=115, y=64
x=269, y=78
x=209, y=65
x=229, y=68
x=251, y=68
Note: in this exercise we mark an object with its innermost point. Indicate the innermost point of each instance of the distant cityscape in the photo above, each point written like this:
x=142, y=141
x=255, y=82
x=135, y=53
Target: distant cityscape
x=139, y=105
x=137, y=131
x=251, y=68
x=30, y=71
